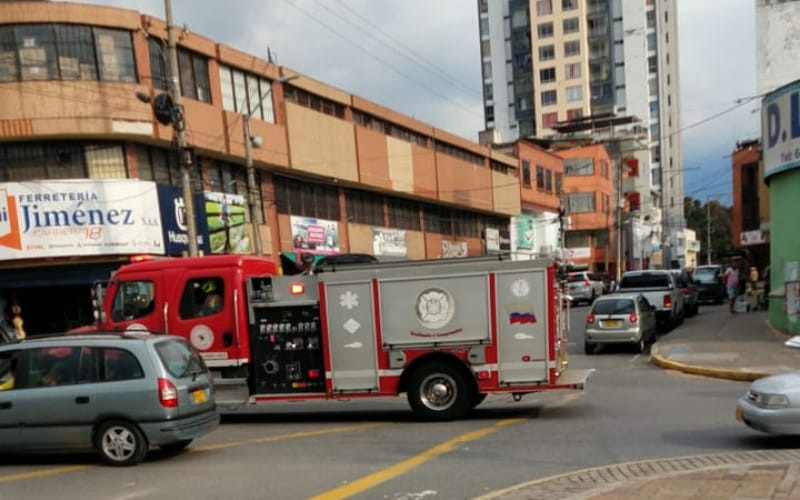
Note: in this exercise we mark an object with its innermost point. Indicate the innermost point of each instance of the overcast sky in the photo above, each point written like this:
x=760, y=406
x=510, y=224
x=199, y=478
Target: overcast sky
x=421, y=57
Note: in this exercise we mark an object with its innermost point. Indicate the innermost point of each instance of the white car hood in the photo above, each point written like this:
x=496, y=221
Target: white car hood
x=777, y=383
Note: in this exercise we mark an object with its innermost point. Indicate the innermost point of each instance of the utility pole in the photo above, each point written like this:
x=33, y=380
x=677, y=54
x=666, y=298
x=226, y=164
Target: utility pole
x=708, y=231
x=179, y=125
x=252, y=188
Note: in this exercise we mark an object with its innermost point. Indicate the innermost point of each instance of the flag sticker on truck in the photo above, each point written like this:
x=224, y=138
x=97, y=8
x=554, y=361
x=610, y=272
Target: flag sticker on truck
x=517, y=318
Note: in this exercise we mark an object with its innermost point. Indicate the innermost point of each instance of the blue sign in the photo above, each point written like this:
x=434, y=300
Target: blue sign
x=173, y=220
x=780, y=126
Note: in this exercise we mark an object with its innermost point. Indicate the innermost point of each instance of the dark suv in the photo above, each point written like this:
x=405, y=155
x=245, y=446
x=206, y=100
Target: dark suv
x=710, y=282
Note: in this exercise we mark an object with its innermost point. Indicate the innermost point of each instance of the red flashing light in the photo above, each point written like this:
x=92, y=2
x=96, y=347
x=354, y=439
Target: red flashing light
x=633, y=318
x=590, y=319
x=141, y=258
x=484, y=375
x=297, y=288
x=313, y=374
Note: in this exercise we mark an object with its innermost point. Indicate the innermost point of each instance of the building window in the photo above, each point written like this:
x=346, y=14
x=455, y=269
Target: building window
x=653, y=82
x=438, y=219
x=570, y=25
x=403, y=214
x=26, y=161
x=549, y=97
x=544, y=30
x=65, y=52
x=466, y=224
x=651, y=42
x=364, y=207
x=578, y=166
x=569, y=4
x=192, y=70
x=574, y=114
x=547, y=52
x=652, y=64
x=296, y=197
x=313, y=101
x=572, y=71
x=526, y=173
x=379, y=125
x=559, y=182
x=549, y=119
x=544, y=7
x=456, y=152
x=246, y=93
x=604, y=169
x=547, y=75
x=540, y=177
x=580, y=203
x=548, y=180
x=574, y=93
x=572, y=48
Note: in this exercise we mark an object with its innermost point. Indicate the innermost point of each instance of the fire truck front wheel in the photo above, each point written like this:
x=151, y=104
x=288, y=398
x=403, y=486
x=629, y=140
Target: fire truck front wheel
x=439, y=391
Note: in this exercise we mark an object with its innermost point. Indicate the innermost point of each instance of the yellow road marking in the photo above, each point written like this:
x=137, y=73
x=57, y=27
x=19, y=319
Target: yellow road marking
x=74, y=468
x=42, y=473
x=281, y=437
x=372, y=480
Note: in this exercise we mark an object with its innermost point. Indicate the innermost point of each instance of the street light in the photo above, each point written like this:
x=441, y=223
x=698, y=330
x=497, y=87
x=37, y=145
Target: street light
x=249, y=142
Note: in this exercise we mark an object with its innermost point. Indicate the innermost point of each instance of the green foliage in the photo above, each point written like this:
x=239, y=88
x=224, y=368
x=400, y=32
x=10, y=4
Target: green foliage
x=696, y=214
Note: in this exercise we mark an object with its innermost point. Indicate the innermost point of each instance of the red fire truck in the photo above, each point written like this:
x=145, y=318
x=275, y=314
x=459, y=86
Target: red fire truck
x=445, y=332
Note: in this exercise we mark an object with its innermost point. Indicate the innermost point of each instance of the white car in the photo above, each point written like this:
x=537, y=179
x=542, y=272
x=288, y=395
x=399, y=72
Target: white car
x=584, y=286
x=772, y=404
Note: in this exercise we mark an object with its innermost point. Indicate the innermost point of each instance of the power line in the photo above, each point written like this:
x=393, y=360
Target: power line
x=381, y=61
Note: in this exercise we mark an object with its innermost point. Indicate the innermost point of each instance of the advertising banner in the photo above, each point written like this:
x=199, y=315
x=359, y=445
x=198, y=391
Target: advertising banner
x=780, y=126
x=227, y=226
x=454, y=249
x=525, y=232
x=389, y=242
x=79, y=217
x=315, y=235
x=492, y=240
x=173, y=220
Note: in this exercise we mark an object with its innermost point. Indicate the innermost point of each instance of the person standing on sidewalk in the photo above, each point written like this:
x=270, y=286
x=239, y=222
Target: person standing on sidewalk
x=731, y=276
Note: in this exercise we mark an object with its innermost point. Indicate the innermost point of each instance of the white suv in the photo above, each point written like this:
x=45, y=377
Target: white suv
x=584, y=286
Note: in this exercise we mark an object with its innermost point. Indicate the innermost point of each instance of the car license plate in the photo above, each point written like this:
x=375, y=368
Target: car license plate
x=612, y=323
x=739, y=414
x=199, y=396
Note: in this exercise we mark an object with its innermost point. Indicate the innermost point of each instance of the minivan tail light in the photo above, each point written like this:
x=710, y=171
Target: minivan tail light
x=633, y=318
x=167, y=393
x=586, y=282
x=667, y=301
x=590, y=319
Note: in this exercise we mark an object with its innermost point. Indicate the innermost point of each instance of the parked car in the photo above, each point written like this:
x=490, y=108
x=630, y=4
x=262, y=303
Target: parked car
x=620, y=318
x=772, y=404
x=118, y=394
x=584, y=286
x=690, y=289
x=710, y=283
x=661, y=290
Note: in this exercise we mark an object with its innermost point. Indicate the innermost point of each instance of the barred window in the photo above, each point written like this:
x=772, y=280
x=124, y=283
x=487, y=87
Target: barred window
x=60, y=160
x=313, y=101
x=192, y=70
x=466, y=224
x=379, y=125
x=403, y=214
x=246, y=93
x=456, y=152
x=66, y=52
x=295, y=197
x=438, y=219
x=162, y=166
x=364, y=207
x=539, y=177
x=526, y=173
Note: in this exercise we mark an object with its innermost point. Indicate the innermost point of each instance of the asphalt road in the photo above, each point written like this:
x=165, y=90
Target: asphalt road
x=630, y=410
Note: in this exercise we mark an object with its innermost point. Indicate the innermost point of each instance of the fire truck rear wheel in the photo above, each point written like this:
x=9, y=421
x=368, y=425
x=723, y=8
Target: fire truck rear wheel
x=439, y=391
x=477, y=398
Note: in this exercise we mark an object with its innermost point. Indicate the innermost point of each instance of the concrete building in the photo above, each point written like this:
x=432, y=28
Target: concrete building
x=547, y=62
x=89, y=178
x=750, y=211
x=776, y=39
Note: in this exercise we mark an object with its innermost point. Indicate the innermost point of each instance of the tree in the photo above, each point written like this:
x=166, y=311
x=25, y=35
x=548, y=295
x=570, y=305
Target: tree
x=696, y=214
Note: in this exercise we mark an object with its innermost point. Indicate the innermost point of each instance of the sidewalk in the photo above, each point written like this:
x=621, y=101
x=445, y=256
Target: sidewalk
x=715, y=343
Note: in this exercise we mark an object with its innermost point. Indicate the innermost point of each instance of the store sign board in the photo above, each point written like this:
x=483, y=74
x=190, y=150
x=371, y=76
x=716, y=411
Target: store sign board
x=313, y=235
x=389, y=242
x=173, y=220
x=79, y=217
x=780, y=126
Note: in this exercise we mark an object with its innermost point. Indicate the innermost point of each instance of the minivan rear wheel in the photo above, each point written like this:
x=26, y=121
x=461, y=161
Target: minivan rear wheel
x=120, y=443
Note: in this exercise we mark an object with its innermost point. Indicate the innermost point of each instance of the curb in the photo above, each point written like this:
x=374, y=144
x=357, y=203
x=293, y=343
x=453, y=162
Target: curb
x=723, y=373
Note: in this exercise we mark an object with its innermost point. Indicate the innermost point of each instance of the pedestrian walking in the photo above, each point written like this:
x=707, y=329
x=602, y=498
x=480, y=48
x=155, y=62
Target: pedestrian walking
x=731, y=276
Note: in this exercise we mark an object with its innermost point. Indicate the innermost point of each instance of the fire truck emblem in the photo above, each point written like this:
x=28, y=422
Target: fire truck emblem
x=435, y=308
x=348, y=300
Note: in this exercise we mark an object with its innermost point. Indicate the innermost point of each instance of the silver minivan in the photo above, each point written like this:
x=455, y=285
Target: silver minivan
x=118, y=393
